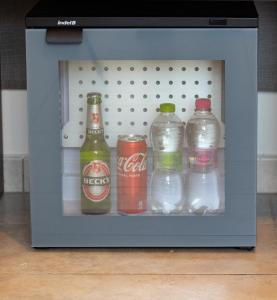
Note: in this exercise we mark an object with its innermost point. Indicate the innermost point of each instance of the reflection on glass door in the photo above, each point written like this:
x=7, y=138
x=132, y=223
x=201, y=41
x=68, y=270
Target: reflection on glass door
x=142, y=137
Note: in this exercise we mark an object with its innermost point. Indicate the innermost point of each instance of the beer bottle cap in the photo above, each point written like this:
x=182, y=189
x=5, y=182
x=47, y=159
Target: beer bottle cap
x=94, y=98
x=167, y=107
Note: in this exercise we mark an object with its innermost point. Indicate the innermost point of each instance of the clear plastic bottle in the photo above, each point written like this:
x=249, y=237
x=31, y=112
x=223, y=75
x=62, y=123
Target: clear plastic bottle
x=167, y=193
x=167, y=138
x=203, y=192
x=203, y=134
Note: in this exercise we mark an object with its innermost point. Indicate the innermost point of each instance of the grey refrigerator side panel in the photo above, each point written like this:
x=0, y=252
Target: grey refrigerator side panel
x=237, y=227
x=45, y=161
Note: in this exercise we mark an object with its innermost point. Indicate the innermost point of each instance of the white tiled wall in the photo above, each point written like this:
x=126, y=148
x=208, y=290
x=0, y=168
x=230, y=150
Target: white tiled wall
x=14, y=110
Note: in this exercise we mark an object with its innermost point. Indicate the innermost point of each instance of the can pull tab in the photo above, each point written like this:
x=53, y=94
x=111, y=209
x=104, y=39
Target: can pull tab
x=64, y=36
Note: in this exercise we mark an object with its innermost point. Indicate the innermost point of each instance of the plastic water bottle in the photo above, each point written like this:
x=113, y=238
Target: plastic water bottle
x=167, y=195
x=203, y=134
x=167, y=137
x=203, y=192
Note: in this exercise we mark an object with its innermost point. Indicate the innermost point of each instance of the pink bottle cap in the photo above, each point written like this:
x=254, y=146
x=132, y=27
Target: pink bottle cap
x=203, y=104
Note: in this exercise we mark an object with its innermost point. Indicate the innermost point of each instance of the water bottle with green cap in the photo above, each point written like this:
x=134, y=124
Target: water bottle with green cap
x=167, y=107
x=167, y=138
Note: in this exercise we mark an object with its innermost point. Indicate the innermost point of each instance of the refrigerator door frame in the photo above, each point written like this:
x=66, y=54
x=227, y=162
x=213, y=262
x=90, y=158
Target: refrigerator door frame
x=236, y=227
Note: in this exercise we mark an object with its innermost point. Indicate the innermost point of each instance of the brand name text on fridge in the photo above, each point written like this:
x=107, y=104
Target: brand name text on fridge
x=67, y=23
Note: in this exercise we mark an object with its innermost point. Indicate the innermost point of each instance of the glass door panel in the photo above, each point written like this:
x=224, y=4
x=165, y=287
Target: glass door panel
x=131, y=93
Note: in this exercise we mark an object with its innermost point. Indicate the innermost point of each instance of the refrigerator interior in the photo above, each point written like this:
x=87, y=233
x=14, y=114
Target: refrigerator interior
x=132, y=91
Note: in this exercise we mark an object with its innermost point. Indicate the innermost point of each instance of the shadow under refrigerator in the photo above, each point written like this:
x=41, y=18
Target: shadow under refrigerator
x=132, y=59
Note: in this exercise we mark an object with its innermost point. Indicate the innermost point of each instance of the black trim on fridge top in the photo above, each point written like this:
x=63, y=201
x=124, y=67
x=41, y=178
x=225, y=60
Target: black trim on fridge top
x=143, y=14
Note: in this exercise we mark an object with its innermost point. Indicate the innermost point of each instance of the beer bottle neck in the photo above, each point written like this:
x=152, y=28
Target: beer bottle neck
x=94, y=120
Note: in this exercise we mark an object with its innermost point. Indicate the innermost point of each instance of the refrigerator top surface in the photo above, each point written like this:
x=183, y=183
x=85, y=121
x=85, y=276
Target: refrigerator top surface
x=142, y=14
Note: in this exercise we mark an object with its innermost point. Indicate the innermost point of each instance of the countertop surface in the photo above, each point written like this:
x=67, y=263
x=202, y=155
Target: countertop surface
x=27, y=273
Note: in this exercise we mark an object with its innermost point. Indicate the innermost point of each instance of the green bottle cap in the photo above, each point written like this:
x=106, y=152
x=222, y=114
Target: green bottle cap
x=167, y=107
x=93, y=98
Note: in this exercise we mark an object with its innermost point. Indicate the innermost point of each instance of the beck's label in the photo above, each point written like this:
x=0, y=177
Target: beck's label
x=96, y=180
x=94, y=119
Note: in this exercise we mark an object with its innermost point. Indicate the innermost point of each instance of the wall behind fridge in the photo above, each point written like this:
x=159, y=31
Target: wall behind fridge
x=14, y=97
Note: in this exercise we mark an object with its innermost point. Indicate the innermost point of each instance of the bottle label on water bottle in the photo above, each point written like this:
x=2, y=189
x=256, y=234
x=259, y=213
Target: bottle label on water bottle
x=203, y=157
x=170, y=160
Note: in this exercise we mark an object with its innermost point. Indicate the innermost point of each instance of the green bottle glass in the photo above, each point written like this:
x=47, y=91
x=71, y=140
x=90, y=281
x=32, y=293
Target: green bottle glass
x=95, y=162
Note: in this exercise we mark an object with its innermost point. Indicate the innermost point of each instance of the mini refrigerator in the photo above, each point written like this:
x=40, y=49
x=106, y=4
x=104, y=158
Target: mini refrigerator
x=137, y=56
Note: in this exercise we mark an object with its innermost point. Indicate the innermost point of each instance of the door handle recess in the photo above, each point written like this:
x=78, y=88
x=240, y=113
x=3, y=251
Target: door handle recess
x=64, y=35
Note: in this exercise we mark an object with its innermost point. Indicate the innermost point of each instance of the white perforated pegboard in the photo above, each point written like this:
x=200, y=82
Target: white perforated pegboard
x=132, y=91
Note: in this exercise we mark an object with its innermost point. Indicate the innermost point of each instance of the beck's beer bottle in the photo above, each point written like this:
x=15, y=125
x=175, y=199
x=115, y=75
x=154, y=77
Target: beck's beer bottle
x=95, y=162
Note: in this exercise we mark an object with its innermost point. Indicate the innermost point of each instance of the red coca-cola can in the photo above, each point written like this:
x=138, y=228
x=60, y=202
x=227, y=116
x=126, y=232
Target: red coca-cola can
x=131, y=174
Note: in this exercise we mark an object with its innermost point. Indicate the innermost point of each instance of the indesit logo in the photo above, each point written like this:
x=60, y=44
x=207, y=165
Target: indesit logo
x=66, y=23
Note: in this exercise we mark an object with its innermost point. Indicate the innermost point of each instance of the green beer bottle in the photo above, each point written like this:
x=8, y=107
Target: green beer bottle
x=95, y=162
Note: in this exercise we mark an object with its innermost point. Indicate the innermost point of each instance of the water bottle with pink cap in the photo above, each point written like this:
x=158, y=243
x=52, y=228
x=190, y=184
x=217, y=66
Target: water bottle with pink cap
x=203, y=135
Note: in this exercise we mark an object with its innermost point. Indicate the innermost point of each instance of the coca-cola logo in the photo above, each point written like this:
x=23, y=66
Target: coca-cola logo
x=135, y=163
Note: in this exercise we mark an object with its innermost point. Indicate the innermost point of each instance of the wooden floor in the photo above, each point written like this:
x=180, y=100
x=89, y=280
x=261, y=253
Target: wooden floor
x=27, y=273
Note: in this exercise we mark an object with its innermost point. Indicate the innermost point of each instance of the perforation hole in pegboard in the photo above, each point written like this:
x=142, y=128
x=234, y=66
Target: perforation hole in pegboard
x=132, y=91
